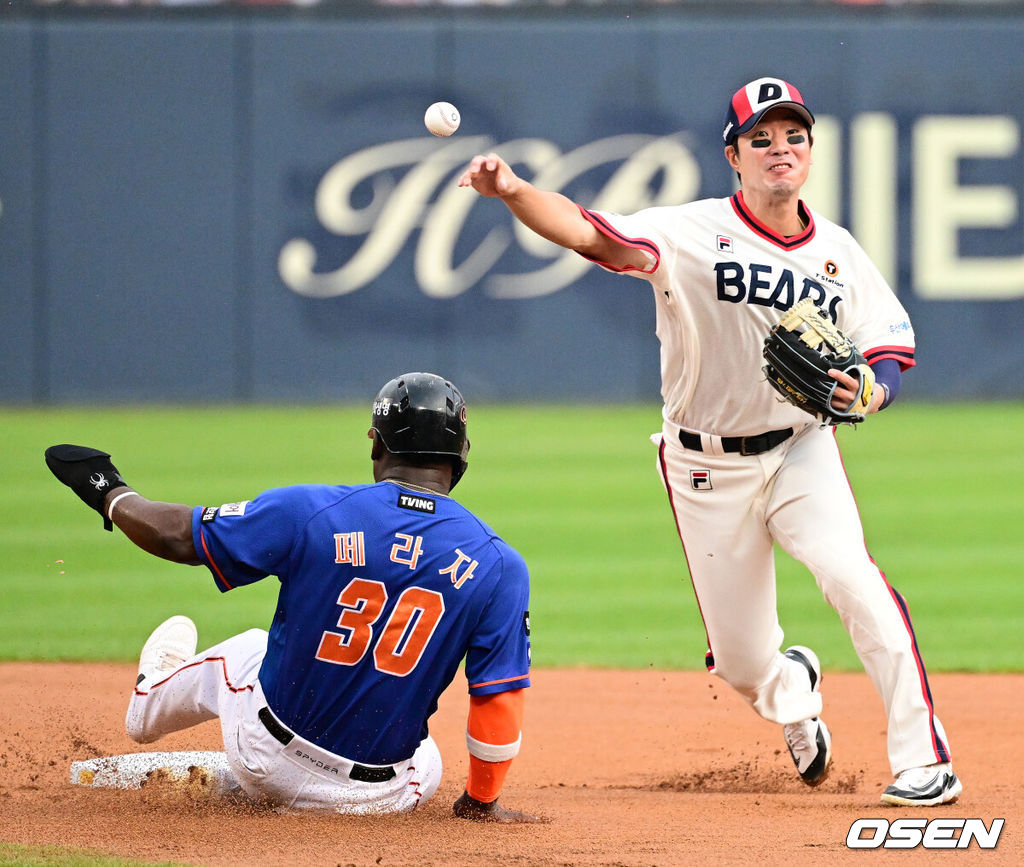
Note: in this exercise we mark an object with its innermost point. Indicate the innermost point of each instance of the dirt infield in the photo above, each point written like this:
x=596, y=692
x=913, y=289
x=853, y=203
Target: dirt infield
x=631, y=768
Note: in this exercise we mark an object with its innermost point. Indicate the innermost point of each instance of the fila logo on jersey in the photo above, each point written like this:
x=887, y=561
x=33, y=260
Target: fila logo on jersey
x=700, y=480
x=417, y=504
x=723, y=244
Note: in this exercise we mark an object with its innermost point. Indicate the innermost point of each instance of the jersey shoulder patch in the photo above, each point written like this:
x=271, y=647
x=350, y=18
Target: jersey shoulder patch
x=233, y=509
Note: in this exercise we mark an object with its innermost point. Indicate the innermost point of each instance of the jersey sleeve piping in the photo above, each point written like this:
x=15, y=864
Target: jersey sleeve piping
x=903, y=355
x=218, y=574
x=518, y=677
x=606, y=228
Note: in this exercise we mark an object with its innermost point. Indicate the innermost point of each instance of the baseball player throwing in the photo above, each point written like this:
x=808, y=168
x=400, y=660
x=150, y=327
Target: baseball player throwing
x=742, y=468
x=385, y=587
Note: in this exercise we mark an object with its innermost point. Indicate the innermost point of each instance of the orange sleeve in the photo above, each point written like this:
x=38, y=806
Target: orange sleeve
x=493, y=719
x=496, y=718
x=486, y=778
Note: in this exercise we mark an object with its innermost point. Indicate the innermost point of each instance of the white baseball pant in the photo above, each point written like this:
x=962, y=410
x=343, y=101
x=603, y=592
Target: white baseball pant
x=222, y=682
x=728, y=515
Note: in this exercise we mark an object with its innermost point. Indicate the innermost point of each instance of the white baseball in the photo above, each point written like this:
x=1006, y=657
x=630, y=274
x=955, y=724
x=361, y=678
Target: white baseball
x=442, y=118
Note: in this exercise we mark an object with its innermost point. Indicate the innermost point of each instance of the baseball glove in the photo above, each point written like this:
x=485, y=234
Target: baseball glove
x=800, y=350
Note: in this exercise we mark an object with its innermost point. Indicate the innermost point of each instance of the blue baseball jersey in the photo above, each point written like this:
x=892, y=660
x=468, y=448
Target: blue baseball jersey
x=384, y=590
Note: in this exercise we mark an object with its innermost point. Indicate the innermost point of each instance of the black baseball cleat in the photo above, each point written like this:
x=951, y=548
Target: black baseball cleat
x=927, y=786
x=809, y=741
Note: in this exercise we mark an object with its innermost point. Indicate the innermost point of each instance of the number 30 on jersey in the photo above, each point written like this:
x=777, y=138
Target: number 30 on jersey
x=403, y=637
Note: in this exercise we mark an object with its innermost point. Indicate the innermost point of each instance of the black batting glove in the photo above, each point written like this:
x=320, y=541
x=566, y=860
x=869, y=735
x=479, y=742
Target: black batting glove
x=88, y=472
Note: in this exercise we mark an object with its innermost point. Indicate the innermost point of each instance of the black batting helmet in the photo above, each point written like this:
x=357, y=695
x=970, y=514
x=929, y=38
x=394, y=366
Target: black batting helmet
x=423, y=414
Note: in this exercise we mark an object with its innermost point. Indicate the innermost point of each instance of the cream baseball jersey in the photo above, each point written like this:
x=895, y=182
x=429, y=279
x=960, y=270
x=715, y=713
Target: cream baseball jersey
x=721, y=279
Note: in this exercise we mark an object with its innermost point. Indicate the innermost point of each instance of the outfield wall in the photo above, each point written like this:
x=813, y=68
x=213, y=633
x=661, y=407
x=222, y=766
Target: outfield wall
x=247, y=207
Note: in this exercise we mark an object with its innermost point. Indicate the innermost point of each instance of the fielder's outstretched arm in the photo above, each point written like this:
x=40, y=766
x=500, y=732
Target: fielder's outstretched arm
x=551, y=215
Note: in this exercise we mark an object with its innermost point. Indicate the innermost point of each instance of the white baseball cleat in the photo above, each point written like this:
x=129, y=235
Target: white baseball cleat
x=809, y=741
x=926, y=786
x=171, y=644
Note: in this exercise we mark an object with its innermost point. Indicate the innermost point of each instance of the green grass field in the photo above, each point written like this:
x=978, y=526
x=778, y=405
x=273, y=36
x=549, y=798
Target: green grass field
x=60, y=856
x=941, y=492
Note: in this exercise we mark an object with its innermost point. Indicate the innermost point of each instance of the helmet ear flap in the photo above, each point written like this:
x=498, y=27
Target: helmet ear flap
x=460, y=465
x=459, y=414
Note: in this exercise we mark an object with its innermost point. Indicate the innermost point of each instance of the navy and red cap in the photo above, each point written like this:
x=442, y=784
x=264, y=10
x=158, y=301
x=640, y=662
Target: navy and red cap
x=750, y=102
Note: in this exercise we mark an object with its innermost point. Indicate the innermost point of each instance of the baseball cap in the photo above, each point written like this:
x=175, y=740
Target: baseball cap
x=751, y=101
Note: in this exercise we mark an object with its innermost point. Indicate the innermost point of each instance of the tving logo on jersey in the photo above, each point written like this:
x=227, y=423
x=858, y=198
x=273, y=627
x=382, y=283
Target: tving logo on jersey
x=417, y=504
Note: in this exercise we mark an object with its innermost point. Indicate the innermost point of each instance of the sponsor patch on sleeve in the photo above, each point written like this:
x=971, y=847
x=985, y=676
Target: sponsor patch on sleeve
x=233, y=509
x=417, y=504
x=209, y=514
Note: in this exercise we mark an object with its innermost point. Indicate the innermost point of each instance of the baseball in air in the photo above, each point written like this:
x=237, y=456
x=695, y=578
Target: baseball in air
x=442, y=118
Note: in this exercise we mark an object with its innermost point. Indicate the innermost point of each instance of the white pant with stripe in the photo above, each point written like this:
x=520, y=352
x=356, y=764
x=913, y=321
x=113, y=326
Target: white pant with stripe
x=729, y=510
x=222, y=683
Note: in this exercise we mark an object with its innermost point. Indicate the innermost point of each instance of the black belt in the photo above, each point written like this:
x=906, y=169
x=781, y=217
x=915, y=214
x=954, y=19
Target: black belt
x=752, y=445
x=362, y=773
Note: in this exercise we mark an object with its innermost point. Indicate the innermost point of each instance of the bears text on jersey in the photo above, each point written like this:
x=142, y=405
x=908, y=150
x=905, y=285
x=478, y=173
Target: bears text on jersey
x=769, y=286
